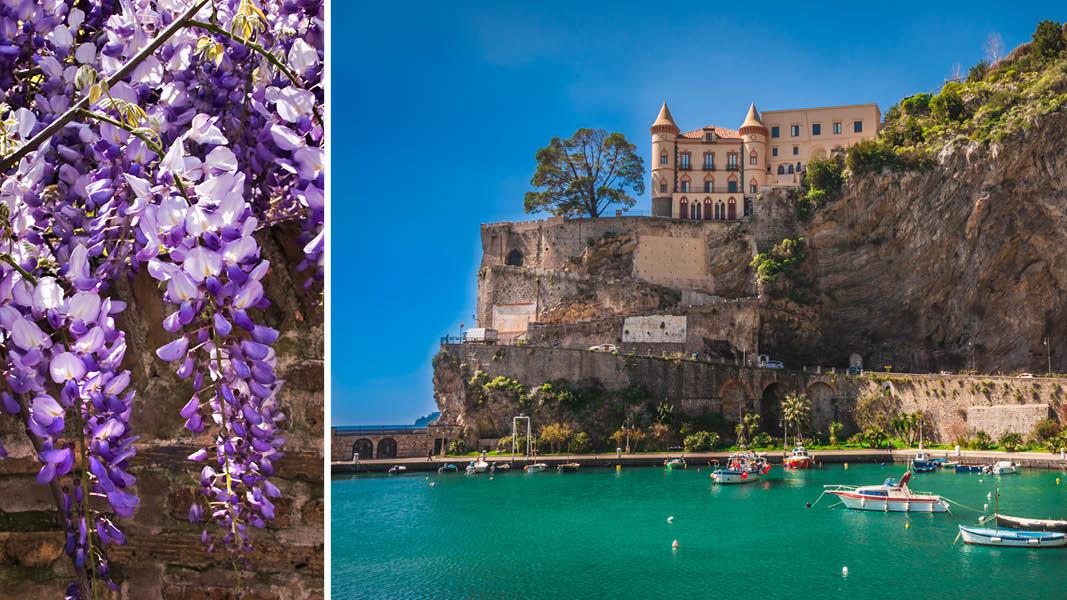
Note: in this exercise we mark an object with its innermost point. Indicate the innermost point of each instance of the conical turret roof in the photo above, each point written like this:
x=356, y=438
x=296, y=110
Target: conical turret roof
x=752, y=119
x=664, y=122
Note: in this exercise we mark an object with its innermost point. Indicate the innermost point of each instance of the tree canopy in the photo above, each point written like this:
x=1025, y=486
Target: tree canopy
x=586, y=174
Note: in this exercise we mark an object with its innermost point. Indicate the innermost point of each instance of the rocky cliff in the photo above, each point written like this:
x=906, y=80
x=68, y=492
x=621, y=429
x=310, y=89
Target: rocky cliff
x=958, y=265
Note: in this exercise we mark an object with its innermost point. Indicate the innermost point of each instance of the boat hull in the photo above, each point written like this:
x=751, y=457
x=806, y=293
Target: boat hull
x=912, y=504
x=1020, y=523
x=1012, y=538
x=733, y=477
x=798, y=463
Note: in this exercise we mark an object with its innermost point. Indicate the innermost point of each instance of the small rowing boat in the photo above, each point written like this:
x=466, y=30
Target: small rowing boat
x=535, y=468
x=891, y=496
x=479, y=466
x=568, y=467
x=1050, y=525
x=397, y=469
x=449, y=468
x=973, y=468
x=1005, y=467
x=1012, y=537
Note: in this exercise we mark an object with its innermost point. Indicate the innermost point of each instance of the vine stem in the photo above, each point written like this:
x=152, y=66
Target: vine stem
x=259, y=50
x=35, y=142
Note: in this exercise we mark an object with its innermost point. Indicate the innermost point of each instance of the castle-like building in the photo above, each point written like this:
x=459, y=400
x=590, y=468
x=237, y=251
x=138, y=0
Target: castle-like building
x=714, y=173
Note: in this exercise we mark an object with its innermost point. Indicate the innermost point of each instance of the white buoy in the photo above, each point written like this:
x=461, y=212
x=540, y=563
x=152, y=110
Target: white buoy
x=675, y=544
x=844, y=571
x=433, y=483
x=985, y=507
x=670, y=519
x=989, y=496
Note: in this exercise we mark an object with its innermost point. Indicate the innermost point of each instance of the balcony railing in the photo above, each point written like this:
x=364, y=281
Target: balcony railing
x=732, y=167
x=709, y=167
x=685, y=167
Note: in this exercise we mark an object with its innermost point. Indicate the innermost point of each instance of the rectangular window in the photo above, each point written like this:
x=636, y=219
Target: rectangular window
x=753, y=159
x=707, y=186
x=685, y=161
x=775, y=133
x=709, y=161
x=685, y=186
x=774, y=151
x=837, y=128
x=796, y=150
x=663, y=187
x=731, y=187
x=731, y=161
x=663, y=158
x=752, y=188
x=857, y=126
x=816, y=129
x=794, y=130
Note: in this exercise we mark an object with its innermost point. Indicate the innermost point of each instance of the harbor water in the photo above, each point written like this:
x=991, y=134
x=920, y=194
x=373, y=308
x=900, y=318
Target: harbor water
x=603, y=533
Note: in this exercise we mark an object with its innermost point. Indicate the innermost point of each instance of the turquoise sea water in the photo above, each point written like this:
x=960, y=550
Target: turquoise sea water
x=604, y=534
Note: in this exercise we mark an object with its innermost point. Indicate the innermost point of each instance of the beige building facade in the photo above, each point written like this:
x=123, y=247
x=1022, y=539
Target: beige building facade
x=715, y=173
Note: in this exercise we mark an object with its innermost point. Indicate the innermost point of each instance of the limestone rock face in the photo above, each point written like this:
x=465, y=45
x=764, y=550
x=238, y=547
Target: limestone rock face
x=963, y=265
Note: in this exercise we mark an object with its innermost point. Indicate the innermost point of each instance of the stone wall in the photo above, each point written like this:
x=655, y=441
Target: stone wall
x=1000, y=419
x=164, y=557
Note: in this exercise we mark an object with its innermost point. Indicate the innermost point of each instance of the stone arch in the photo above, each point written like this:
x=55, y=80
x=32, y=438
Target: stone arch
x=387, y=448
x=734, y=400
x=731, y=209
x=823, y=407
x=770, y=408
x=514, y=258
x=683, y=209
x=363, y=449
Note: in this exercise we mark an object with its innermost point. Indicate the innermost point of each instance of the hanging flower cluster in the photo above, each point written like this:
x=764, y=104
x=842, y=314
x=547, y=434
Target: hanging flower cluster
x=158, y=135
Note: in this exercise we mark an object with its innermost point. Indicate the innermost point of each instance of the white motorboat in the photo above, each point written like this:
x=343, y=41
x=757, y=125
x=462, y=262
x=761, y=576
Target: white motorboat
x=1012, y=537
x=1005, y=467
x=891, y=496
x=397, y=469
x=742, y=468
x=478, y=466
x=535, y=468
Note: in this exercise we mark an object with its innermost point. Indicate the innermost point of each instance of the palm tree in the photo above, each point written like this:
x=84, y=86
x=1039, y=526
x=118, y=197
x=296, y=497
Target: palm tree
x=796, y=409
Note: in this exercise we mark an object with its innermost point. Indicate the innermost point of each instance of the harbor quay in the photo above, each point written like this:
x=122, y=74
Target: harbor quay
x=1037, y=460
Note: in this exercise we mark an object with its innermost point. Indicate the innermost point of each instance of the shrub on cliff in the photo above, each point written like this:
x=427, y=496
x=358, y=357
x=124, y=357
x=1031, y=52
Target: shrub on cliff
x=555, y=436
x=1045, y=430
x=701, y=441
x=579, y=443
x=783, y=257
x=869, y=156
x=1049, y=39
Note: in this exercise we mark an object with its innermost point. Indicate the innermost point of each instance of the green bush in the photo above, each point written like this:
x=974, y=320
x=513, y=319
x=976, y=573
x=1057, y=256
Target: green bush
x=826, y=174
x=457, y=446
x=762, y=440
x=948, y=105
x=1011, y=442
x=981, y=441
x=873, y=437
x=919, y=104
x=783, y=257
x=1045, y=430
x=1048, y=39
x=869, y=156
x=701, y=441
x=579, y=443
x=835, y=431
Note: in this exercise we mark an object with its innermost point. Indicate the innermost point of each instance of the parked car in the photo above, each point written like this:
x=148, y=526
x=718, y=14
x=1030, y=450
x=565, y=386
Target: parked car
x=604, y=348
x=946, y=373
x=480, y=335
x=1026, y=375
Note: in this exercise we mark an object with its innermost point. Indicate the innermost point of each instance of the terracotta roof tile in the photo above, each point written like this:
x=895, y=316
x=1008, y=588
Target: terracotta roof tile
x=721, y=132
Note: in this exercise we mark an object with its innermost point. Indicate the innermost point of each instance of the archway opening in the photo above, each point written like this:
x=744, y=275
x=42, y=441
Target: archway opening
x=387, y=448
x=514, y=258
x=770, y=409
x=363, y=449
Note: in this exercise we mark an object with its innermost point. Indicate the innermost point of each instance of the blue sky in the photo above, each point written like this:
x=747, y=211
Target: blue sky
x=439, y=107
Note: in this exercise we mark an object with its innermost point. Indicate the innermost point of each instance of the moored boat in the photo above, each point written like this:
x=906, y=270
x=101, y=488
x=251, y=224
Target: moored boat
x=923, y=463
x=1005, y=467
x=674, y=463
x=478, y=466
x=743, y=468
x=799, y=459
x=1012, y=537
x=535, y=468
x=1022, y=523
x=571, y=467
x=891, y=496
x=449, y=468
x=973, y=468
x=397, y=469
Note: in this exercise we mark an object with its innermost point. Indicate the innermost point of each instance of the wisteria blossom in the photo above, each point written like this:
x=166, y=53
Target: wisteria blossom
x=159, y=135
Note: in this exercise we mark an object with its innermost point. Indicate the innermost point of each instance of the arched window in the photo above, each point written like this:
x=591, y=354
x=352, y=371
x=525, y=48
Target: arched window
x=781, y=170
x=790, y=169
x=387, y=448
x=731, y=185
x=753, y=158
x=752, y=186
x=707, y=209
x=663, y=157
x=720, y=211
x=514, y=258
x=363, y=449
x=696, y=210
x=683, y=209
x=731, y=211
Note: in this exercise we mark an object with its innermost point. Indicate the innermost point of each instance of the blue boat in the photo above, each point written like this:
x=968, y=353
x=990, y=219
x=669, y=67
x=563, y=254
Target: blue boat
x=1012, y=537
x=924, y=464
x=972, y=468
x=449, y=468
